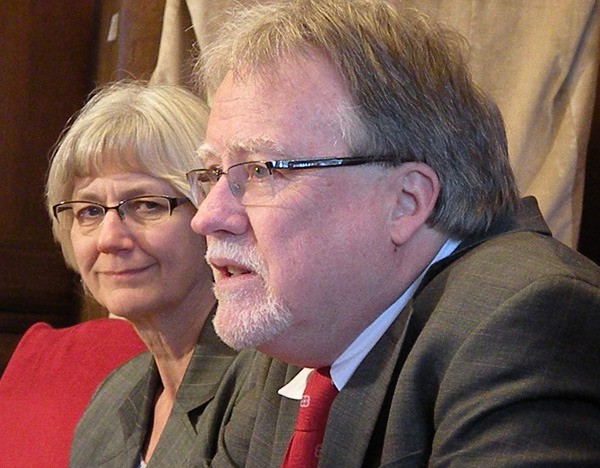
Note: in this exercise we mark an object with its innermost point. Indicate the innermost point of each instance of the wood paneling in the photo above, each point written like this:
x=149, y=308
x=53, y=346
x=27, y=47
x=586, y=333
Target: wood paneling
x=128, y=39
x=47, y=63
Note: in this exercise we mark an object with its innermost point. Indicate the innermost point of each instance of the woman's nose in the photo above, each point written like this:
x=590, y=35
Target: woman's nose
x=114, y=233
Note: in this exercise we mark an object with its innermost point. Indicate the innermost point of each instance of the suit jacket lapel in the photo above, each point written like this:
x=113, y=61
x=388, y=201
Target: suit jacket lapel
x=134, y=415
x=355, y=410
x=275, y=417
x=210, y=360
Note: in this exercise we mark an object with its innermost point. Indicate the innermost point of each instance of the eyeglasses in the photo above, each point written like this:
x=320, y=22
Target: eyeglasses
x=254, y=182
x=143, y=210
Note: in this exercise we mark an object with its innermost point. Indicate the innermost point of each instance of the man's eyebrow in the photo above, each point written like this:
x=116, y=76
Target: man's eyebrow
x=206, y=150
x=254, y=146
x=208, y=155
x=239, y=150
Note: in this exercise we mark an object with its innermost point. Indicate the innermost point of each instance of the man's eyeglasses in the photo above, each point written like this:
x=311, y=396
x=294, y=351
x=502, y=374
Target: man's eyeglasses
x=143, y=210
x=253, y=182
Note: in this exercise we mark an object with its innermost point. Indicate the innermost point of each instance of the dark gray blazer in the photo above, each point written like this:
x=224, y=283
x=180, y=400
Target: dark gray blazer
x=494, y=362
x=114, y=425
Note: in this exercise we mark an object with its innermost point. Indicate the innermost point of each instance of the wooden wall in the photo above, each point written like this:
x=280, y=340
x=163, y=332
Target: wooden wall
x=54, y=52
x=46, y=67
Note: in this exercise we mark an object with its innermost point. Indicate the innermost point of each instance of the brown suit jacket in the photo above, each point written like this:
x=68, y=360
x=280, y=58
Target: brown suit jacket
x=494, y=362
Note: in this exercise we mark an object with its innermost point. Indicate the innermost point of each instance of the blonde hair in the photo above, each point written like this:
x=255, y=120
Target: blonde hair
x=133, y=126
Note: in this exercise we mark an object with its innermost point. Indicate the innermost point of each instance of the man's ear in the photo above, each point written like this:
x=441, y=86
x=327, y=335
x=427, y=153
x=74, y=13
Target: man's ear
x=417, y=188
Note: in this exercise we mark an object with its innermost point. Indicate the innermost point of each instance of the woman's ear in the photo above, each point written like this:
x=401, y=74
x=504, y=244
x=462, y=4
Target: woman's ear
x=417, y=188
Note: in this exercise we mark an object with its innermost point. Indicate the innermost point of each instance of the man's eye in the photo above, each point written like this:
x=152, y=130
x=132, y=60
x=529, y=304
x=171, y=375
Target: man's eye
x=257, y=171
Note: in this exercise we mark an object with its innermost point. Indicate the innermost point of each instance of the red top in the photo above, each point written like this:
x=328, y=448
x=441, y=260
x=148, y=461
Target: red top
x=49, y=381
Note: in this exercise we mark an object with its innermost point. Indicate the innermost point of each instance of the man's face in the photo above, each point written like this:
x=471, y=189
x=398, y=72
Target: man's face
x=301, y=274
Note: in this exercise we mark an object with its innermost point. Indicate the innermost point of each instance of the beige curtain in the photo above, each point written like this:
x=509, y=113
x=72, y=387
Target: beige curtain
x=537, y=58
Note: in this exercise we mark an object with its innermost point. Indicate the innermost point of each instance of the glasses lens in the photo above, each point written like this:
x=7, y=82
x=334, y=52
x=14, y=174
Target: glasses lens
x=201, y=181
x=87, y=215
x=254, y=177
x=237, y=177
x=251, y=182
x=144, y=210
x=192, y=178
x=64, y=214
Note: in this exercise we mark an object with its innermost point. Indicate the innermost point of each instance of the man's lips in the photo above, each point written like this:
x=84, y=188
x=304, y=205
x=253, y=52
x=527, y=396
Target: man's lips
x=223, y=268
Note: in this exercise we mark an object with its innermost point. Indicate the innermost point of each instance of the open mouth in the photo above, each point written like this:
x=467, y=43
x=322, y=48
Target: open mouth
x=235, y=271
x=229, y=269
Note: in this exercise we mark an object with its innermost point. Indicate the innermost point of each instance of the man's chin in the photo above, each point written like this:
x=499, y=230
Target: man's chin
x=246, y=339
x=253, y=330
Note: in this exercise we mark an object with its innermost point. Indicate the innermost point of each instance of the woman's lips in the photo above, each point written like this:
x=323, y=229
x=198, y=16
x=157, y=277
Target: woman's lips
x=126, y=272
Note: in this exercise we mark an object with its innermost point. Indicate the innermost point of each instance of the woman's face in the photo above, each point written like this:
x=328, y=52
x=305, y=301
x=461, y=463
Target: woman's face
x=139, y=270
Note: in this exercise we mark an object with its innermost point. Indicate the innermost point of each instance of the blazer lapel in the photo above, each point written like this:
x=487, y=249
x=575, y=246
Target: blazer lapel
x=134, y=415
x=275, y=416
x=210, y=360
x=355, y=410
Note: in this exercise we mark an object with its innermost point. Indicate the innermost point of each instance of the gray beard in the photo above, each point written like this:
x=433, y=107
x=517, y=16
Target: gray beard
x=243, y=321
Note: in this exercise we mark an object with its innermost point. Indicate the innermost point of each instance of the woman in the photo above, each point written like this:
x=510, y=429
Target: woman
x=117, y=195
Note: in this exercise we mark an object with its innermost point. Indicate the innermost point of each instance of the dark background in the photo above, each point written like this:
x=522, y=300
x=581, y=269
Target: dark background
x=54, y=52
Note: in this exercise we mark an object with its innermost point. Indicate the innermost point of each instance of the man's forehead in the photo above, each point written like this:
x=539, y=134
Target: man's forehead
x=294, y=83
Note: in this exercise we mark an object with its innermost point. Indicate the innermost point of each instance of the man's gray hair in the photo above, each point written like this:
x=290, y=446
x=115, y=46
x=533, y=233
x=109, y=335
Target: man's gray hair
x=412, y=96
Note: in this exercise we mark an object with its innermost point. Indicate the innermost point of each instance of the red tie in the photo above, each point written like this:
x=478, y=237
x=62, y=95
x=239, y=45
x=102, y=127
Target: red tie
x=305, y=445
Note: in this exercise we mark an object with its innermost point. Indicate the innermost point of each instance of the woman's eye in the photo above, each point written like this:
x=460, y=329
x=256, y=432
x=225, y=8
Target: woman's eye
x=145, y=207
x=89, y=212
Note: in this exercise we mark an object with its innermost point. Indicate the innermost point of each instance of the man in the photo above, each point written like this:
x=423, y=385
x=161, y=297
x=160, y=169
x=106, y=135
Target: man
x=362, y=218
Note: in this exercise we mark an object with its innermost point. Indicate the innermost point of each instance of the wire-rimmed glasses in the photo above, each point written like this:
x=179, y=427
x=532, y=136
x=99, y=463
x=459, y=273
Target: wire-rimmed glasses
x=141, y=210
x=260, y=176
